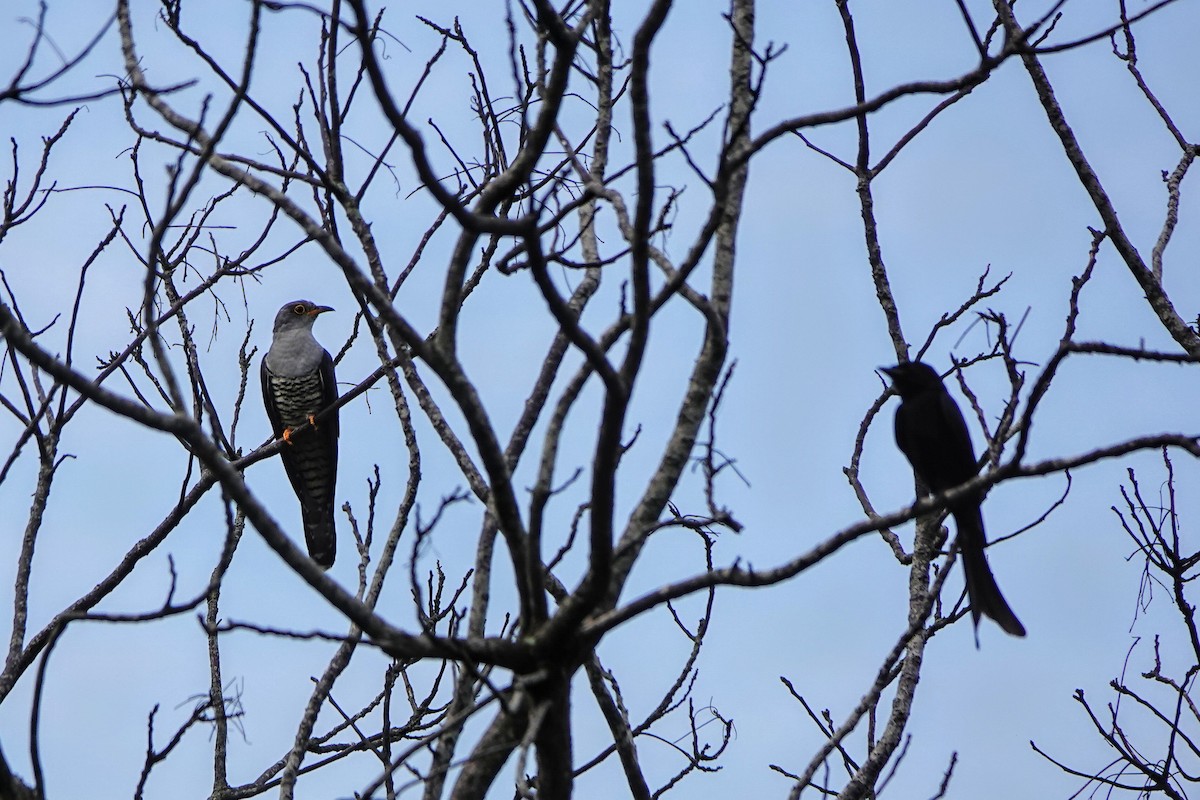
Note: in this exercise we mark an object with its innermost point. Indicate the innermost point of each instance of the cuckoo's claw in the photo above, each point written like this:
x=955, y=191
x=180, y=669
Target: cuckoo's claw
x=290, y=433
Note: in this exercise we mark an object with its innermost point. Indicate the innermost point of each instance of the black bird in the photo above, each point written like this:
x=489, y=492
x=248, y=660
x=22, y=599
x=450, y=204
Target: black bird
x=932, y=434
x=298, y=383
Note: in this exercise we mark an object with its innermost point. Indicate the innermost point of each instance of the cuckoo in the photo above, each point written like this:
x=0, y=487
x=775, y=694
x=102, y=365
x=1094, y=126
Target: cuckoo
x=298, y=383
x=932, y=434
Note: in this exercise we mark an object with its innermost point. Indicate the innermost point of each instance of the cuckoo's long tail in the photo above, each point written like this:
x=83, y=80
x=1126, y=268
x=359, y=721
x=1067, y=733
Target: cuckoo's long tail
x=320, y=535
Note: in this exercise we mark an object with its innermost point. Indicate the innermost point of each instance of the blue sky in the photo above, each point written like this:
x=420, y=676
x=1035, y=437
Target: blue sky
x=986, y=184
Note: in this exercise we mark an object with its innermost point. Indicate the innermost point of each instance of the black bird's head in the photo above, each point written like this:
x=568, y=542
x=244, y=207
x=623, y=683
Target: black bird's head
x=297, y=315
x=913, y=377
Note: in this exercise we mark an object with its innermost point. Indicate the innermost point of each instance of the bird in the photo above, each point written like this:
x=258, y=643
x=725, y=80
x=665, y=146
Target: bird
x=298, y=383
x=932, y=434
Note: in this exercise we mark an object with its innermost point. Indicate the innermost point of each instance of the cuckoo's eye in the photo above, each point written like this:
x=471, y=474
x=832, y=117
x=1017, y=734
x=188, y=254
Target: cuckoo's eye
x=299, y=309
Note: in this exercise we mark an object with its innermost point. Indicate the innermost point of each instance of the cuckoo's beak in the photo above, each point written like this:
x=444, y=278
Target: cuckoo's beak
x=319, y=310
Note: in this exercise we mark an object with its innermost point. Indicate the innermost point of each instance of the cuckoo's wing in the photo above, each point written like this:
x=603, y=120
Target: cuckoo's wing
x=264, y=376
x=320, y=481
x=329, y=396
x=325, y=435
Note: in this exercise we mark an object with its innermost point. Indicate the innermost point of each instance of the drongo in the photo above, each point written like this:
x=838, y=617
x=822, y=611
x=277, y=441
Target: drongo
x=932, y=434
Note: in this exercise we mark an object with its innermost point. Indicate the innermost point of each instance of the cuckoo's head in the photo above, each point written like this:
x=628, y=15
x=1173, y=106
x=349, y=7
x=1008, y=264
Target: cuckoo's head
x=297, y=315
x=913, y=377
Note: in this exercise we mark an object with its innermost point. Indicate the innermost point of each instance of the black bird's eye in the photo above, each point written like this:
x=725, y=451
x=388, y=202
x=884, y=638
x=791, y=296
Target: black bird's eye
x=299, y=309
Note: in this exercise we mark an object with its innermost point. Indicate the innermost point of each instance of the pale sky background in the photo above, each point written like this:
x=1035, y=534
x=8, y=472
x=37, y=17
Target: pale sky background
x=986, y=184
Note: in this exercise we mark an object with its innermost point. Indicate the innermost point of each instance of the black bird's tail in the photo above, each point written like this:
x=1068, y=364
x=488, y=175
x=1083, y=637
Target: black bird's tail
x=982, y=589
x=320, y=535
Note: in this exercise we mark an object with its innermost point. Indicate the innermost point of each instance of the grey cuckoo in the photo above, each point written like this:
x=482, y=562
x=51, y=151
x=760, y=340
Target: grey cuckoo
x=297, y=384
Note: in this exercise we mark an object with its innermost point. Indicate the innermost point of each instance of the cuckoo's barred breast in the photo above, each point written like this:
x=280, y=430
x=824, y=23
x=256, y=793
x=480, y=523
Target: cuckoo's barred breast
x=297, y=397
x=312, y=463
